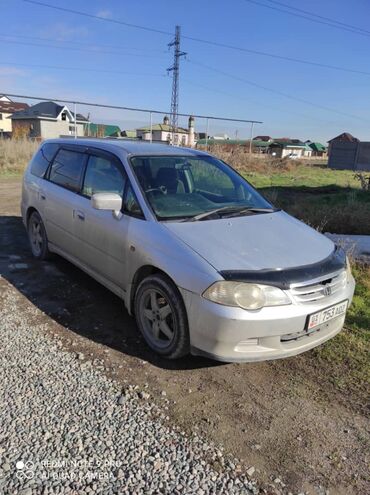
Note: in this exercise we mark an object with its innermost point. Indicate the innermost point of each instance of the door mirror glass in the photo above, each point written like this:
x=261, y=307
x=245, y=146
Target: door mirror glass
x=106, y=201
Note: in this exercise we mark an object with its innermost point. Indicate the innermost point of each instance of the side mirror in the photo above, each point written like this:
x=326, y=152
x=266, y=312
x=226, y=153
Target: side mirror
x=107, y=201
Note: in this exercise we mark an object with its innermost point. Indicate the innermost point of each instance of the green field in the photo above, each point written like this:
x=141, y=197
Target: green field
x=328, y=200
x=345, y=360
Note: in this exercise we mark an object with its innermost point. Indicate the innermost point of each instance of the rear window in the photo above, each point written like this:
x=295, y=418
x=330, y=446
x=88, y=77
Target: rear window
x=42, y=159
x=67, y=169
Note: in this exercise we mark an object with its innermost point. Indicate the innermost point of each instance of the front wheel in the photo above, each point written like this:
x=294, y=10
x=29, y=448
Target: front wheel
x=161, y=317
x=37, y=237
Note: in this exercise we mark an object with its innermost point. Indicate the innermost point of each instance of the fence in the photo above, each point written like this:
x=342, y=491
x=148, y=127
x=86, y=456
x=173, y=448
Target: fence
x=350, y=156
x=83, y=115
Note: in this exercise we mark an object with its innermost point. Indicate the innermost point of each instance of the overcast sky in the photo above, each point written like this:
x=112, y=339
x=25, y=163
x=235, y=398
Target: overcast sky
x=218, y=81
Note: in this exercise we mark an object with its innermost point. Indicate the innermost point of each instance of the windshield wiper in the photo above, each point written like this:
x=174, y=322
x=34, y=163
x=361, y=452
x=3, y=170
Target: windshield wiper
x=230, y=210
x=252, y=210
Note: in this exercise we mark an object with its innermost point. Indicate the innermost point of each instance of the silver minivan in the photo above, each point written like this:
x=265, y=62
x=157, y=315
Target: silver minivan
x=204, y=263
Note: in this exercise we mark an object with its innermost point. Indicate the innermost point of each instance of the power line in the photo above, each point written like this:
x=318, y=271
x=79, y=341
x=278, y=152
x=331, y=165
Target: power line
x=73, y=48
x=271, y=90
x=101, y=18
x=120, y=107
x=279, y=57
x=101, y=45
x=311, y=16
x=82, y=69
x=314, y=14
x=207, y=42
x=239, y=98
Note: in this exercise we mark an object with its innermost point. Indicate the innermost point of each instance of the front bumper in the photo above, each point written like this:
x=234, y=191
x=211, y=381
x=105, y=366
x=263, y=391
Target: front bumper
x=234, y=334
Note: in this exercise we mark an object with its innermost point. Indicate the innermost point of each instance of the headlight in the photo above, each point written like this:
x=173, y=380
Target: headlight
x=246, y=296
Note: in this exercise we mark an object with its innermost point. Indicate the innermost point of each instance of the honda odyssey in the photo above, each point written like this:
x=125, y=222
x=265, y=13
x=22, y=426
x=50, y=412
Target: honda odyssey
x=205, y=263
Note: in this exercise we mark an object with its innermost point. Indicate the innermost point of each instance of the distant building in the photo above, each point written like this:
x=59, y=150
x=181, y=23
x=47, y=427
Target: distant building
x=285, y=147
x=318, y=149
x=220, y=137
x=7, y=108
x=101, y=130
x=265, y=139
x=163, y=133
x=47, y=120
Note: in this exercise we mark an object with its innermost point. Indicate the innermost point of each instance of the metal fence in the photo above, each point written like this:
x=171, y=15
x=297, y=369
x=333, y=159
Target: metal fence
x=349, y=156
x=107, y=113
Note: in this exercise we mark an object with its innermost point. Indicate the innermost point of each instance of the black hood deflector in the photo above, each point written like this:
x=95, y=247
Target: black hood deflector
x=285, y=277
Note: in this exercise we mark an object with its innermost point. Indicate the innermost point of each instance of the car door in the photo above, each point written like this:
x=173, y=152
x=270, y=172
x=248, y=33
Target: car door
x=103, y=237
x=61, y=198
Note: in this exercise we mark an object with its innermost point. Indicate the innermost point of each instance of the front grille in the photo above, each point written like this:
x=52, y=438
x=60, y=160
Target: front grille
x=319, y=289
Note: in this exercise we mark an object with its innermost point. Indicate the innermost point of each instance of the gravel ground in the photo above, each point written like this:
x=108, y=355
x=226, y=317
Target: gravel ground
x=66, y=428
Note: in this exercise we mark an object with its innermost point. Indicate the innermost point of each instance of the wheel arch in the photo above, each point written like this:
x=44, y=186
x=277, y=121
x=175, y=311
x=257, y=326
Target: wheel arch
x=140, y=274
x=29, y=212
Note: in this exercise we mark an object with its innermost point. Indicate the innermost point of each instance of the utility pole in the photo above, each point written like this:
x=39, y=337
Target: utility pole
x=175, y=69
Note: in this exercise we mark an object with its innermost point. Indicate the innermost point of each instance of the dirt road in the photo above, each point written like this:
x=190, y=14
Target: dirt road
x=298, y=433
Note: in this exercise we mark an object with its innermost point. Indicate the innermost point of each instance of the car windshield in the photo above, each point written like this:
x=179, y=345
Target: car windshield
x=195, y=187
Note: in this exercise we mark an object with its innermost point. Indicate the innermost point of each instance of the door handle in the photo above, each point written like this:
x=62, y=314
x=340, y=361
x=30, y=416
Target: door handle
x=79, y=214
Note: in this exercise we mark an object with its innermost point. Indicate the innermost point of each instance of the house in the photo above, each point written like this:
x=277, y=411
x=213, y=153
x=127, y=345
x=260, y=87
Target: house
x=47, y=120
x=101, y=130
x=318, y=149
x=129, y=134
x=7, y=107
x=345, y=137
x=285, y=147
x=261, y=145
x=220, y=137
x=163, y=133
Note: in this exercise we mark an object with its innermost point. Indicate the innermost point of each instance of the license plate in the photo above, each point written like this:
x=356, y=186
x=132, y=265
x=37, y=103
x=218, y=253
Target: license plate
x=327, y=314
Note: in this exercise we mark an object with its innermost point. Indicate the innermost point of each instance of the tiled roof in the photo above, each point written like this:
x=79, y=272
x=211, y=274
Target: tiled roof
x=292, y=143
x=46, y=109
x=11, y=106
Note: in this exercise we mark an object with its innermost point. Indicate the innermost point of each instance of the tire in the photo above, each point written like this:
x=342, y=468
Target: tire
x=37, y=237
x=161, y=317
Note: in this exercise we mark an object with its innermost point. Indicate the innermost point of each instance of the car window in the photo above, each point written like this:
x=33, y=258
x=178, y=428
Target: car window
x=131, y=204
x=102, y=175
x=67, y=169
x=41, y=160
x=183, y=187
x=212, y=180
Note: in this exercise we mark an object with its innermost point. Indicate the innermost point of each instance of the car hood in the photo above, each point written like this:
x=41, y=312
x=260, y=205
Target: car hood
x=254, y=242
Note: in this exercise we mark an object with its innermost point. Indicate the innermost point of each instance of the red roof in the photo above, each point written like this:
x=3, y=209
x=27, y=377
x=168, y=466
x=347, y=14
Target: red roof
x=12, y=106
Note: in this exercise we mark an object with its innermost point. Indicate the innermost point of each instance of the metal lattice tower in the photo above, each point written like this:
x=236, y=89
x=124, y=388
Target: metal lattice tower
x=175, y=69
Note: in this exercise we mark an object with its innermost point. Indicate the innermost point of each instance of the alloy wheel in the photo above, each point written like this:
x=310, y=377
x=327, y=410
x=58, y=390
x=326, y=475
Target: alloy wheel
x=36, y=237
x=157, y=318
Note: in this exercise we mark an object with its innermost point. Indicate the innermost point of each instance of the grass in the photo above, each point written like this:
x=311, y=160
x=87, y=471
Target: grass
x=346, y=358
x=328, y=200
x=15, y=154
